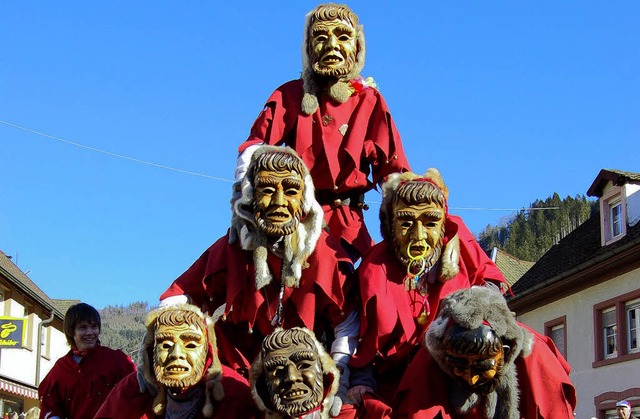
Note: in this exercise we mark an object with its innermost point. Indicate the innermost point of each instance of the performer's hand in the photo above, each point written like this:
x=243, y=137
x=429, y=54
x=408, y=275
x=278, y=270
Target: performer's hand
x=354, y=394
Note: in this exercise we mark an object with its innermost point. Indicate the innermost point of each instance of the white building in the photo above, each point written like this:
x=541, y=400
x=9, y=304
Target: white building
x=26, y=360
x=585, y=294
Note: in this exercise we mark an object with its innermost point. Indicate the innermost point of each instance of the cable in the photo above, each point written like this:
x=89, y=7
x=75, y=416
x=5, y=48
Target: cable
x=161, y=166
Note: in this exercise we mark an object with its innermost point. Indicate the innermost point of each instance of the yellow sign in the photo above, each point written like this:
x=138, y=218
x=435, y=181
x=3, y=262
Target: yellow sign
x=11, y=332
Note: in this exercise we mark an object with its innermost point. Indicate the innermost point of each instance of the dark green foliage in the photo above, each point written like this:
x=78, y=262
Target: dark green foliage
x=123, y=327
x=528, y=234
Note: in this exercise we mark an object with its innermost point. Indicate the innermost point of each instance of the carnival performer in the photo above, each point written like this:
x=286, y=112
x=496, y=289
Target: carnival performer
x=284, y=272
x=426, y=254
x=82, y=379
x=336, y=120
x=179, y=374
x=477, y=361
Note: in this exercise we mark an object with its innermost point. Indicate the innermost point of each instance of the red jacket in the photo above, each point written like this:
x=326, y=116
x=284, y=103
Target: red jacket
x=341, y=144
x=72, y=390
x=126, y=400
x=389, y=332
x=543, y=380
x=226, y=274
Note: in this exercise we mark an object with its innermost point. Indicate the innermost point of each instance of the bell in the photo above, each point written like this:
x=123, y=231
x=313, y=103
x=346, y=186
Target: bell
x=422, y=318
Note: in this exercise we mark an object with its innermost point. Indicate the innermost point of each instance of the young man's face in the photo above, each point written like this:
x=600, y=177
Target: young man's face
x=333, y=48
x=85, y=335
x=278, y=201
x=179, y=355
x=294, y=379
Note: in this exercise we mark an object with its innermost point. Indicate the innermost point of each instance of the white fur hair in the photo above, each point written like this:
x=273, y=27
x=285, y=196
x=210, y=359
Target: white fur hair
x=256, y=378
x=470, y=308
x=298, y=245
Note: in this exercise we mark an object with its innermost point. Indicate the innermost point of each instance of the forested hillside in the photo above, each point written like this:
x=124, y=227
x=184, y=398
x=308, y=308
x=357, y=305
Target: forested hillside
x=123, y=327
x=530, y=233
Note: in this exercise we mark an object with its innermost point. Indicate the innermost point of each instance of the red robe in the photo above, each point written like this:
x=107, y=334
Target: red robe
x=226, y=274
x=546, y=390
x=72, y=390
x=389, y=332
x=126, y=400
x=338, y=162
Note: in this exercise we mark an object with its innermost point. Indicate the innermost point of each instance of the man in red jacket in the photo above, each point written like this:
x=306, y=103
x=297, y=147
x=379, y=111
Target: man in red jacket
x=336, y=121
x=426, y=254
x=80, y=381
x=179, y=373
x=285, y=271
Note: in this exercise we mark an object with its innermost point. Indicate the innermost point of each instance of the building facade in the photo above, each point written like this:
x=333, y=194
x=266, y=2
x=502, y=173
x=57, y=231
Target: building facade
x=585, y=294
x=31, y=338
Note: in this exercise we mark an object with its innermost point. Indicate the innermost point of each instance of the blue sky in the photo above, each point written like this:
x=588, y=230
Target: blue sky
x=511, y=101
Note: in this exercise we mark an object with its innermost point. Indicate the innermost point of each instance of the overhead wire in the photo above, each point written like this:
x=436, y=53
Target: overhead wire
x=188, y=172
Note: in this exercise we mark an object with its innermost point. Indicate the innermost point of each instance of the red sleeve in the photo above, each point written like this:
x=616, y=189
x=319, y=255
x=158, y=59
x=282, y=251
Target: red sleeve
x=546, y=391
x=383, y=145
x=126, y=400
x=278, y=116
x=52, y=401
x=478, y=265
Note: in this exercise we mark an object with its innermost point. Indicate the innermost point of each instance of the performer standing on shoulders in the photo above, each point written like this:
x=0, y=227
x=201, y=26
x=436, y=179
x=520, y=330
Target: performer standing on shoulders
x=336, y=121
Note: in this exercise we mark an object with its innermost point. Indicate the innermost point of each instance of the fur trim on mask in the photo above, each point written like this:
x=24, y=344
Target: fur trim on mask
x=297, y=246
x=330, y=372
x=450, y=258
x=470, y=308
x=314, y=86
x=212, y=376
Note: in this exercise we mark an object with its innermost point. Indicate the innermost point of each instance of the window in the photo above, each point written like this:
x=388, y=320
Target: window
x=632, y=309
x=45, y=342
x=31, y=318
x=617, y=329
x=609, y=332
x=613, y=216
x=557, y=330
x=616, y=218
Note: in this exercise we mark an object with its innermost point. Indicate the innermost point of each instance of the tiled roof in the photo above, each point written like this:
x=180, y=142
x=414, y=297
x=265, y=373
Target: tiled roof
x=575, y=251
x=511, y=267
x=63, y=305
x=26, y=285
x=617, y=177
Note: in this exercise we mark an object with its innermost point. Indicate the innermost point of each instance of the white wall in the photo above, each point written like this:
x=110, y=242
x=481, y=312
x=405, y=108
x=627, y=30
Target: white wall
x=578, y=310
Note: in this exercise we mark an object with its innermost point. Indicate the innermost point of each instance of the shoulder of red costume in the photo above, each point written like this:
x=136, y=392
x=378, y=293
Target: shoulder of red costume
x=328, y=245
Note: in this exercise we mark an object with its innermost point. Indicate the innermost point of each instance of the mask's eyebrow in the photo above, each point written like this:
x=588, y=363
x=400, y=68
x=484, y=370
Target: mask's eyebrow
x=275, y=362
x=303, y=356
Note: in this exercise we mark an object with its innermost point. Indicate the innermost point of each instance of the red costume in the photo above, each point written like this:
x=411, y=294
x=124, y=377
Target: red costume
x=341, y=144
x=389, y=331
x=76, y=390
x=126, y=400
x=225, y=274
x=543, y=380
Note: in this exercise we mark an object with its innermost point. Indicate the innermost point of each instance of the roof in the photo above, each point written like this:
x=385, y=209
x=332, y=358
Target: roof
x=579, y=250
x=617, y=177
x=18, y=278
x=511, y=267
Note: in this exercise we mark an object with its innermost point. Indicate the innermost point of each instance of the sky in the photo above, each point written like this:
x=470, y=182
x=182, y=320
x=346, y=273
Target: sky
x=120, y=121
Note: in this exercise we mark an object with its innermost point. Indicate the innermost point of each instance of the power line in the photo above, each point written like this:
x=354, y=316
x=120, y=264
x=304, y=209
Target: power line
x=120, y=156
x=188, y=172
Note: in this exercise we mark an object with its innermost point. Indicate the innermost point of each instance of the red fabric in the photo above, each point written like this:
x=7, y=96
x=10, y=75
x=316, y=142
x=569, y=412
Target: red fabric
x=126, y=400
x=543, y=379
x=371, y=408
x=72, y=390
x=225, y=274
x=371, y=145
x=389, y=331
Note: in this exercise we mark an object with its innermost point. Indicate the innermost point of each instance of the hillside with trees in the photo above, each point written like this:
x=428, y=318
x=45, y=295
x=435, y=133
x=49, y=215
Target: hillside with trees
x=123, y=327
x=530, y=233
